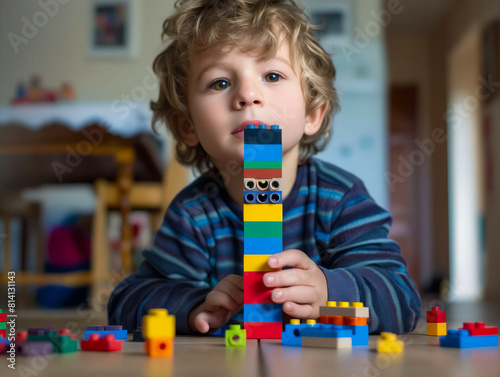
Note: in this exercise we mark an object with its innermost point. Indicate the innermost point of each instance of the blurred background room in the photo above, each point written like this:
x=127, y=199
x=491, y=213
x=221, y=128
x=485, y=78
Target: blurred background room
x=84, y=179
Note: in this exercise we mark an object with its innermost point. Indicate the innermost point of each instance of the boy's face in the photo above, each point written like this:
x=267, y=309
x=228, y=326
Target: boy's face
x=228, y=91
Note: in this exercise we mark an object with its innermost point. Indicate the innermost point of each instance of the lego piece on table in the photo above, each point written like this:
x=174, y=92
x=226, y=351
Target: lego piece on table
x=343, y=309
x=359, y=335
x=137, y=335
x=107, y=344
x=328, y=331
x=159, y=347
x=262, y=212
x=389, y=343
x=60, y=343
x=479, y=329
x=236, y=336
x=462, y=339
x=292, y=336
x=158, y=324
x=39, y=330
x=436, y=315
x=22, y=336
x=436, y=329
x=120, y=334
x=68, y=333
x=33, y=348
x=255, y=290
x=335, y=343
x=263, y=330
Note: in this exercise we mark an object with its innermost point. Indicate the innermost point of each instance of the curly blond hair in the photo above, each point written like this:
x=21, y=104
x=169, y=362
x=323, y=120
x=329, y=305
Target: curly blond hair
x=201, y=25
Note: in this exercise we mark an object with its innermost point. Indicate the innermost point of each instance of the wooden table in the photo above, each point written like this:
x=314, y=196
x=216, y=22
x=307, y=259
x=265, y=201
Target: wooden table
x=208, y=356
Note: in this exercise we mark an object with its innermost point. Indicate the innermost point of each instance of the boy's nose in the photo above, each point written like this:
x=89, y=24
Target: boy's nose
x=247, y=95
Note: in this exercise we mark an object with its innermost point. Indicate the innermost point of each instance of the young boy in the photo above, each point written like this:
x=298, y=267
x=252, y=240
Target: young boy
x=231, y=63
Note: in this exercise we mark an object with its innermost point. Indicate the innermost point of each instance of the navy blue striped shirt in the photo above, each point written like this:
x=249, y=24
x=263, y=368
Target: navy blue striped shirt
x=329, y=215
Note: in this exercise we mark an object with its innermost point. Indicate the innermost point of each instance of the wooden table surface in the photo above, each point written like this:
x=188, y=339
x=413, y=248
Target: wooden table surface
x=208, y=356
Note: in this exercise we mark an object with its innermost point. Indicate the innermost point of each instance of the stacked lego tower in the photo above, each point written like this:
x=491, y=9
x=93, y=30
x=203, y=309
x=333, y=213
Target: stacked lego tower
x=3, y=325
x=263, y=228
x=436, y=322
x=342, y=326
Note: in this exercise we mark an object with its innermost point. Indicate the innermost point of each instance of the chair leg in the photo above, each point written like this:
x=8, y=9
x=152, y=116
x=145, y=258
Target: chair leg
x=99, y=262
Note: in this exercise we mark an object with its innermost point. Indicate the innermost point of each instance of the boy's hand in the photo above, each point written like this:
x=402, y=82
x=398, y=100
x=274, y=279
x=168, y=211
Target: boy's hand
x=302, y=289
x=223, y=301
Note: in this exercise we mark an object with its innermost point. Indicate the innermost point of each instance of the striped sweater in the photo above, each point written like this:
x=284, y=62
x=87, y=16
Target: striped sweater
x=328, y=215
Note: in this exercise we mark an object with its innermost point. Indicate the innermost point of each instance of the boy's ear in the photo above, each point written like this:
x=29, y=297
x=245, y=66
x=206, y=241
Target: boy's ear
x=186, y=131
x=315, y=118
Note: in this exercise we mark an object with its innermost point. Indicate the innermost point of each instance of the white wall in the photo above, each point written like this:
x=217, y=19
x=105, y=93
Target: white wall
x=58, y=50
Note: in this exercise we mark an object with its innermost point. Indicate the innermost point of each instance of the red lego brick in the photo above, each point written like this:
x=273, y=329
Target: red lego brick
x=96, y=343
x=3, y=317
x=436, y=315
x=3, y=334
x=479, y=329
x=261, y=173
x=263, y=330
x=68, y=332
x=22, y=336
x=255, y=290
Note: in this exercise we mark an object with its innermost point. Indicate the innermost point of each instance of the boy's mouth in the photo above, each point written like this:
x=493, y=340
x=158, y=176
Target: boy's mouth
x=238, y=131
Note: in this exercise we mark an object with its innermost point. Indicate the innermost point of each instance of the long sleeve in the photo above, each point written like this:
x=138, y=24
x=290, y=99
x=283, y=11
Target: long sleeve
x=174, y=275
x=362, y=264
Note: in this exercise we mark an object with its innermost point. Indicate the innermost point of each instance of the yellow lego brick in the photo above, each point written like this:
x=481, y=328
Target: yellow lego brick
x=389, y=343
x=436, y=329
x=256, y=262
x=158, y=324
x=262, y=212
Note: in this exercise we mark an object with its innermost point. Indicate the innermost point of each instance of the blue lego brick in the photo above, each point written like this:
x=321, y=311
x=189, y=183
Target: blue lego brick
x=259, y=152
x=328, y=331
x=360, y=335
x=258, y=246
x=292, y=336
x=262, y=197
x=462, y=339
x=120, y=334
x=262, y=313
x=262, y=136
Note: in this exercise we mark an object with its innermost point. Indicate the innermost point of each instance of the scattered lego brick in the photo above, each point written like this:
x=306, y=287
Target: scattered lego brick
x=108, y=343
x=236, y=336
x=60, y=343
x=159, y=347
x=389, y=343
x=479, y=329
x=33, y=348
x=158, y=329
x=462, y=339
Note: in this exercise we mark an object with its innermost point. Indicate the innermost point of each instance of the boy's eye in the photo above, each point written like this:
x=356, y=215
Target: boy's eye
x=220, y=85
x=273, y=77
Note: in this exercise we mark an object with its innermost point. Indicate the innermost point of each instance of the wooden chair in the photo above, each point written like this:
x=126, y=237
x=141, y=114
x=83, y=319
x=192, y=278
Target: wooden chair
x=150, y=196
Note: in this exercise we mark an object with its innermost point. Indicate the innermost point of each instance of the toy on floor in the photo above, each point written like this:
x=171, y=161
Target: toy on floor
x=471, y=336
x=436, y=322
x=342, y=326
x=389, y=343
x=158, y=328
x=102, y=331
x=107, y=343
x=3, y=325
x=62, y=341
x=235, y=336
x=263, y=228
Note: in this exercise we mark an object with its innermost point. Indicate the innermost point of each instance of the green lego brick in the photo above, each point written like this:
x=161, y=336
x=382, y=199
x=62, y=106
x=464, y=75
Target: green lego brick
x=263, y=229
x=60, y=343
x=262, y=165
x=3, y=325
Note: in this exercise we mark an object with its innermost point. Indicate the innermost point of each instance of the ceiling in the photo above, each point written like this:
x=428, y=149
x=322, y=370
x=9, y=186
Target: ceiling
x=417, y=16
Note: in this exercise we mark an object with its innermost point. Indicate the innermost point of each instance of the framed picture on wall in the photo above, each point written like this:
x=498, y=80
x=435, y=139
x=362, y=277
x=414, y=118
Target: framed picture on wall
x=113, y=29
x=334, y=19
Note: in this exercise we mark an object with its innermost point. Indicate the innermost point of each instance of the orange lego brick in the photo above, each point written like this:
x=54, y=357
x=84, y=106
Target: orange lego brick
x=159, y=347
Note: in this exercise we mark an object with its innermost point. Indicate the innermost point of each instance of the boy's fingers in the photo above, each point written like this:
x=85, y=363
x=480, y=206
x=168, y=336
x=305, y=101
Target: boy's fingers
x=286, y=278
x=299, y=311
x=227, y=286
x=218, y=299
x=299, y=295
x=237, y=280
x=290, y=258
